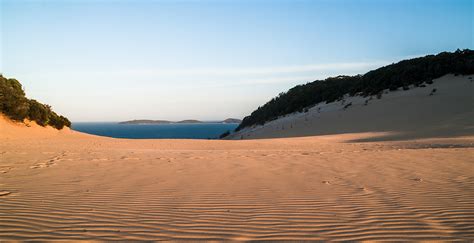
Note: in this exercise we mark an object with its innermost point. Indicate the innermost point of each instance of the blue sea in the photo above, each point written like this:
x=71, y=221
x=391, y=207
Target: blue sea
x=115, y=130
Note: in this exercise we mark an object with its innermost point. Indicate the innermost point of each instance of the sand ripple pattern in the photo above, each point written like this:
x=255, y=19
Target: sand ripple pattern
x=343, y=194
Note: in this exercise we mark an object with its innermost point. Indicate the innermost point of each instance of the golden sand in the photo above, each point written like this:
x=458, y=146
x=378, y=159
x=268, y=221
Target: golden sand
x=68, y=185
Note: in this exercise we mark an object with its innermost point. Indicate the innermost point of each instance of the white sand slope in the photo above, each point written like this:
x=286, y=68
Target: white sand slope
x=67, y=185
x=400, y=114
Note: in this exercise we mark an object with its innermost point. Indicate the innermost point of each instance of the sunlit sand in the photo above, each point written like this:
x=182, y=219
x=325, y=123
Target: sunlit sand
x=64, y=184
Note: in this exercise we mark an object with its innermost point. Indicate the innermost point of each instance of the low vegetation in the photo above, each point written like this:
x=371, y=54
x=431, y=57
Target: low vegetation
x=15, y=105
x=400, y=75
x=225, y=134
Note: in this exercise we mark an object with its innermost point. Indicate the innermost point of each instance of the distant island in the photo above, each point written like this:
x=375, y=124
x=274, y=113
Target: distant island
x=189, y=121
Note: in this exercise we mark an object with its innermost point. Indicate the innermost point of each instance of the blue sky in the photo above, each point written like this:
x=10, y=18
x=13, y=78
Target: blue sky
x=120, y=60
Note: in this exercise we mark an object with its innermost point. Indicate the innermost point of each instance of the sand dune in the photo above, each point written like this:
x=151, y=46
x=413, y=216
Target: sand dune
x=67, y=185
x=401, y=115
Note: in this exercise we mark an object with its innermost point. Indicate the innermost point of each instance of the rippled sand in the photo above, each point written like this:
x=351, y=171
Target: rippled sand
x=67, y=185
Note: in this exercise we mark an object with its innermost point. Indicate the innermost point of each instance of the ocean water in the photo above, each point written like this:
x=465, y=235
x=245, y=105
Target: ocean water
x=115, y=130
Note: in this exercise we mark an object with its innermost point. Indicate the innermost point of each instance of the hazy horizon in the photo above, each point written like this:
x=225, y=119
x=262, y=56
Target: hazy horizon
x=100, y=61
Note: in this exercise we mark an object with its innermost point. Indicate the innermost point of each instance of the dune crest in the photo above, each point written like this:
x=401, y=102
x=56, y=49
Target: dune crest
x=28, y=129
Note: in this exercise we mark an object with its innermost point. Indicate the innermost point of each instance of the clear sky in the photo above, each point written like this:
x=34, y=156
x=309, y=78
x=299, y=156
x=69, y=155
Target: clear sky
x=209, y=60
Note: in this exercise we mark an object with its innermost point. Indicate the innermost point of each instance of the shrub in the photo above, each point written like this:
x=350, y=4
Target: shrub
x=225, y=134
x=346, y=106
x=16, y=106
x=39, y=112
x=58, y=121
x=13, y=102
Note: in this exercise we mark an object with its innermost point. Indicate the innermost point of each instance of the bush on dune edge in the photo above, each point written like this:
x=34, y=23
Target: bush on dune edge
x=15, y=105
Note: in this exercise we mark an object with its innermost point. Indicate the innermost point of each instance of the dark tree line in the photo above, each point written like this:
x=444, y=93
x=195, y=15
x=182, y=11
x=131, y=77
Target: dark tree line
x=402, y=74
x=15, y=105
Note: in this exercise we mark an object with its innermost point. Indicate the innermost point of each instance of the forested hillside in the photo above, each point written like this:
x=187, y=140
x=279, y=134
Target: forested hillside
x=400, y=75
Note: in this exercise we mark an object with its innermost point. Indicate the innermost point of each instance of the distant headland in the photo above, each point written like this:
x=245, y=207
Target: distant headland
x=189, y=121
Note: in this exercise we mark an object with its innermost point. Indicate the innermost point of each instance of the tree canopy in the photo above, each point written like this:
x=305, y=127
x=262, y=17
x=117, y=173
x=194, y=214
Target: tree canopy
x=402, y=74
x=15, y=105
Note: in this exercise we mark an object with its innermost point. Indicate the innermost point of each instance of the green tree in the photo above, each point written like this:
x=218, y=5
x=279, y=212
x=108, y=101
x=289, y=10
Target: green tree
x=399, y=75
x=16, y=106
